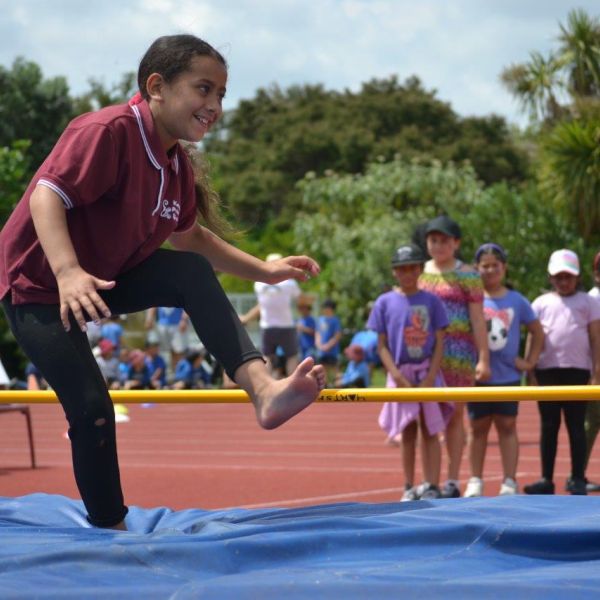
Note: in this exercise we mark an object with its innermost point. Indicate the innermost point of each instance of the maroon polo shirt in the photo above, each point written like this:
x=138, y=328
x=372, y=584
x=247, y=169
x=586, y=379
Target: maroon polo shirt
x=123, y=195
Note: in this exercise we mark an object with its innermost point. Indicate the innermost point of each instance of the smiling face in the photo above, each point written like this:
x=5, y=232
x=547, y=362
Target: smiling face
x=492, y=271
x=188, y=106
x=442, y=247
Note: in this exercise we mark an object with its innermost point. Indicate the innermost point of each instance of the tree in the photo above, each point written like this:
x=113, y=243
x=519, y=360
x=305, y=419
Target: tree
x=580, y=53
x=100, y=96
x=269, y=142
x=570, y=171
x=574, y=68
x=32, y=108
x=352, y=224
x=536, y=84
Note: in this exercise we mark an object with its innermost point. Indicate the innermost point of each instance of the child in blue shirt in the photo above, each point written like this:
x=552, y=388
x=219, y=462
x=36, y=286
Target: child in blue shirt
x=505, y=312
x=357, y=373
x=306, y=326
x=327, y=339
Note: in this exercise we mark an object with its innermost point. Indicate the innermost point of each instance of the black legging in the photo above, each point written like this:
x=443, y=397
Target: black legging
x=65, y=359
x=550, y=413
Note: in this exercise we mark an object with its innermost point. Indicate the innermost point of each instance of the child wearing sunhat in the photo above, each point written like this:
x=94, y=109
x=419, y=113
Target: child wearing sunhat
x=410, y=324
x=571, y=356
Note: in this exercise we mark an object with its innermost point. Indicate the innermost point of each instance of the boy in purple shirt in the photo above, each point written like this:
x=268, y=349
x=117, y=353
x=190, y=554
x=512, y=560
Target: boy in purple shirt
x=410, y=324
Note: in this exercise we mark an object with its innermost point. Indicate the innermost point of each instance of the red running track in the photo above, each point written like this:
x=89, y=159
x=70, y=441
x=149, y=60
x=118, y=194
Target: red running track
x=216, y=456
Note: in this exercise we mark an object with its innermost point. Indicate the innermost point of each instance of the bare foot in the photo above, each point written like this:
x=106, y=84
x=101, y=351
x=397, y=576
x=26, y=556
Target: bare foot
x=279, y=400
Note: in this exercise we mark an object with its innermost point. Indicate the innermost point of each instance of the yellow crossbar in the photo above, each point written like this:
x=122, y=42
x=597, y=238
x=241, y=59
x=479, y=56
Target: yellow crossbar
x=470, y=394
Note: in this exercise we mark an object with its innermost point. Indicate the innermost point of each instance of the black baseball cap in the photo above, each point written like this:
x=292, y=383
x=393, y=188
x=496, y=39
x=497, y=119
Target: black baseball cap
x=444, y=224
x=408, y=255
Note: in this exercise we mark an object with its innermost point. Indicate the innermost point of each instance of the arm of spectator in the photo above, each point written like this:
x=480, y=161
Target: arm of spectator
x=251, y=315
x=184, y=321
x=594, y=333
x=150, y=318
x=482, y=369
x=435, y=361
x=534, y=347
x=388, y=362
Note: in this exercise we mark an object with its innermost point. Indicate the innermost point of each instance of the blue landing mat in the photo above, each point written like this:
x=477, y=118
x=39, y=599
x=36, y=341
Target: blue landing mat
x=518, y=547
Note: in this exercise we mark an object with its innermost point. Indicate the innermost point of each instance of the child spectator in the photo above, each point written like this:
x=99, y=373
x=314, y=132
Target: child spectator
x=123, y=365
x=171, y=326
x=138, y=375
x=367, y=340
x=357, y=373
x=505, y=311
x=571, y=322
x=34, y=378
x=410, y=324
x=112, y=330
x=156, y=364
x=466, y=355
x=108, y=363
x=327, y=339
x=276, y=320
x=190, y=373
x=306, y=326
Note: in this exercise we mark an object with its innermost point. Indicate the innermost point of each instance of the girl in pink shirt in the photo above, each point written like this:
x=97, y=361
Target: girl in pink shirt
x=571, y=355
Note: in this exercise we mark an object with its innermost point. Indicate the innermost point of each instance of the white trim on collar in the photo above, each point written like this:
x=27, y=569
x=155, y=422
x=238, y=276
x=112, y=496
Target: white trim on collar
x=138, y=116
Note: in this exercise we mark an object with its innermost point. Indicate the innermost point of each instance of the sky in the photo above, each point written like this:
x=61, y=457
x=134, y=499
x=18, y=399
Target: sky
x=457, y=47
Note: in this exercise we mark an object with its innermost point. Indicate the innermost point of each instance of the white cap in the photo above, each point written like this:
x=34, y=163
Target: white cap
x=563, y=261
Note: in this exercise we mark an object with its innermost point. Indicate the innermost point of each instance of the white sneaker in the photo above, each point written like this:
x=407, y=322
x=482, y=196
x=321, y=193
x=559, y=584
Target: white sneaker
x=410, y=494
x=474, y=488
x=509, y=487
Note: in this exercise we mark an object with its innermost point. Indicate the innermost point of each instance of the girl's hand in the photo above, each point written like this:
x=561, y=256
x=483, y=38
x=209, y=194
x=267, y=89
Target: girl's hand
x=482, y=371
x=428, y=382
x=523, y=365
x=301, y=268
x=77, y=291
x=401, y=381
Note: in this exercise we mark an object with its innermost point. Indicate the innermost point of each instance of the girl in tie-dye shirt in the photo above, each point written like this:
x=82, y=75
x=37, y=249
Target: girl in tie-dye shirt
x=466, y=354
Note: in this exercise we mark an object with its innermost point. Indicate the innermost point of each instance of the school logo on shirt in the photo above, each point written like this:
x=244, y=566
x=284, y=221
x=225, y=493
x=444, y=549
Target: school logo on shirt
x=170, y=209
x=498, y=325
x=415, y=334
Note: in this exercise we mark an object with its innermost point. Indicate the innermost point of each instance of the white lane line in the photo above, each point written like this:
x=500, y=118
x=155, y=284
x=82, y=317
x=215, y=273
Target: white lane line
x=320, y=499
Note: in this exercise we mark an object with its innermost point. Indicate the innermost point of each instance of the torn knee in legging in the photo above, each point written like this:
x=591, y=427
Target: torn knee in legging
x=96, y=428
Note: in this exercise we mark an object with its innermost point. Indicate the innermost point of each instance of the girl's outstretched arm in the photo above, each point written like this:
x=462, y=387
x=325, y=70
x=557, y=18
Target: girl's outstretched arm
x=229, y=259
x=76, y=287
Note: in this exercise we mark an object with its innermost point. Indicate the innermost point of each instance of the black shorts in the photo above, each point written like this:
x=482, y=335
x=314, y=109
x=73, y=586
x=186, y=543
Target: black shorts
x=285, y=338
x=478, y=410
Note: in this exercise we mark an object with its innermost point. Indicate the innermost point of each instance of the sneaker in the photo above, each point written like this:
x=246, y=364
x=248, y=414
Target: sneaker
x=410, y=493
x=590, y=486
x=474, y=488
x=509, y=487
x=576, y=486
x=431, y=492
x=451, y=489
x=542, y=486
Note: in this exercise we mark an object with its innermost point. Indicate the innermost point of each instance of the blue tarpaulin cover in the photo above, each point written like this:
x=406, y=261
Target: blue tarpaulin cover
x=505, y=547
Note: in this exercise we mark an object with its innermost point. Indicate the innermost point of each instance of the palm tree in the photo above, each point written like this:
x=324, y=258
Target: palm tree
x=535, y=84
x=571, y=170
x=580, y=53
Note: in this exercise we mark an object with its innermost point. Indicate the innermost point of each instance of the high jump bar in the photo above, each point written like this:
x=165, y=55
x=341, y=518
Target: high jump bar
x=456, y=394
